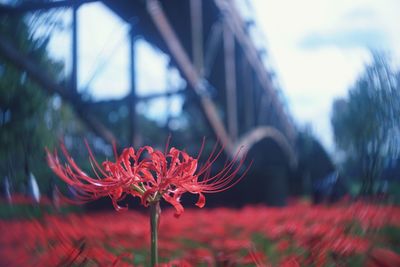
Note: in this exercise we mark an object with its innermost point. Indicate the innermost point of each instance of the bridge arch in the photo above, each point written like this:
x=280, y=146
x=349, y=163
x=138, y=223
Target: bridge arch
x=258, y=134
x=274, y=165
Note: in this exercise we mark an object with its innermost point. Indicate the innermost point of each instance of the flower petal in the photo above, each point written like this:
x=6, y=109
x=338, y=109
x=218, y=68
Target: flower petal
x=201, y=201
x=176, y=203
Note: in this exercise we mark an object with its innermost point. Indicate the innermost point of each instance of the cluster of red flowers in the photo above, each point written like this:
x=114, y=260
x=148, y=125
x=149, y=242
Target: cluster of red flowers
x=298, y=235
x=148, y=174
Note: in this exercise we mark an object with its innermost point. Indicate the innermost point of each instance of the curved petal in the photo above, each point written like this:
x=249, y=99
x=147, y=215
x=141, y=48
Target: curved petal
x=176, y=203
x=118, y=207
x=201, y=201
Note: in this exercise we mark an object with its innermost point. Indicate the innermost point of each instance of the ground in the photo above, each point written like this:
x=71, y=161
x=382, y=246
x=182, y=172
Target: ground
x=344, y=234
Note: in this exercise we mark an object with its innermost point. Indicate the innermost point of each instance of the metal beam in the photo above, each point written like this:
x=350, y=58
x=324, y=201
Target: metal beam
x=248, y=140
x=248, y=82
x=74, y=43
x=230, y=82
x=189, y=72
x=213, y=40
x=150, y=97
x=196, y=19
x=147, y=97
x=22, y=62
x=132, y=99
x=39, y=6
x=236, y=25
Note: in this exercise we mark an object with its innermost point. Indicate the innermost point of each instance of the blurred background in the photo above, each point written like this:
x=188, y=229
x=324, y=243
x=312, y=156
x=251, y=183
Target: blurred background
x=311, y=89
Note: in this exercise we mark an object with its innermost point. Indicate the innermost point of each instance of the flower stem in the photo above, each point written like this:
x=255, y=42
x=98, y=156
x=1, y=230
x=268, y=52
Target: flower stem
x=155, y=212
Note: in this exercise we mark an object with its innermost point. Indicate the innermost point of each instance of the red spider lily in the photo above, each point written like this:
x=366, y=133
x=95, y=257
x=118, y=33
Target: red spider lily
x=55, y=239
x=257, y=258
x=381, y=257
x=289, y=261
x=119, y=178
x=170, y=174
x=175, y=263
x=148, y=174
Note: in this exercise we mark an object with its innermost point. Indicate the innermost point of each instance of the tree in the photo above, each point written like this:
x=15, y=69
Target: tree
x=366, y=125
x=29, y=118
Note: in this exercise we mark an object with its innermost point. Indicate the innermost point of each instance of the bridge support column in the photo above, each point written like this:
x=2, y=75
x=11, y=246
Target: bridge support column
x=74, y=69
x=196, y=15
x=132, y=99
x=230, y=82
x=208, y=107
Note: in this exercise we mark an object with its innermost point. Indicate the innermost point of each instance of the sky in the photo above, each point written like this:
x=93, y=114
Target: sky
x=319, y=47
x=316, y=47
x=103, y=55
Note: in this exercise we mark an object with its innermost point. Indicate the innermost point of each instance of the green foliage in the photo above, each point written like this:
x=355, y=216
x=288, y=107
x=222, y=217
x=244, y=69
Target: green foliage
x=391, y=235
x=33, y=211
x=29, y=118
x=366, y=125
x=11, y=212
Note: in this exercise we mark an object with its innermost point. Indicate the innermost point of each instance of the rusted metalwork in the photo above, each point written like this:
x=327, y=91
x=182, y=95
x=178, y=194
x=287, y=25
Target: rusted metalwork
x=74, y=33
x=251, y=100
x=214, y=38
x=248, y=96
x=160, y=20
x=196, y=17
x=132, y=98
x=230, y=82
x=236, y=24
x=33, y=6
x=247, y=141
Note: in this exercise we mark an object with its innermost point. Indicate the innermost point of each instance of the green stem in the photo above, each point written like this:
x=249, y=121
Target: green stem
x=155, y=212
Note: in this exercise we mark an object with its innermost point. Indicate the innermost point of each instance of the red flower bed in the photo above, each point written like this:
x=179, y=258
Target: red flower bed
x=298, y=235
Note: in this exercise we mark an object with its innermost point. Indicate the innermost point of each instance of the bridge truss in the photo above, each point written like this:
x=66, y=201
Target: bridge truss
x=209, y=43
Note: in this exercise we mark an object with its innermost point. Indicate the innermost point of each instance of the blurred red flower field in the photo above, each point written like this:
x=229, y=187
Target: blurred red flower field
x=357, y=234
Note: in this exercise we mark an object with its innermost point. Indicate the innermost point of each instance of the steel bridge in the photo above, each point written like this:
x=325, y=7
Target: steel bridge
x=209, y=43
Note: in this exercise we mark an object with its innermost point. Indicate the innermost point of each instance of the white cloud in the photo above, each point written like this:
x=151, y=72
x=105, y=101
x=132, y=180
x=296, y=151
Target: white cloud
x=60, y=45
x=107, y=52
x=151, y=69
x=103, y=52
x=325, y=71
x=103, y=55
x=312, y=78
